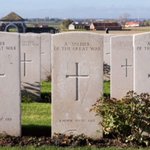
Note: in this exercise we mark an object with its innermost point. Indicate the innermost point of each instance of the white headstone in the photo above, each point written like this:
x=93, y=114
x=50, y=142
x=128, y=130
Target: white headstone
x=30, y=64
x=107, y=48
x=77, y=81
x=121, y=65
x=10, y=101
x=107, y=66
x=141, y=63
x=45, y=55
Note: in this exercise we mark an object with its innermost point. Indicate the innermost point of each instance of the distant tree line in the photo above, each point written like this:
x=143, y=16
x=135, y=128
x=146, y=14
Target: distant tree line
x=145, y=23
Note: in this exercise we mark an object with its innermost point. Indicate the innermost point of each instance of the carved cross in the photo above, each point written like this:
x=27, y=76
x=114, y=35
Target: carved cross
x=126, y=67
x=77, y=77
x=24, y=61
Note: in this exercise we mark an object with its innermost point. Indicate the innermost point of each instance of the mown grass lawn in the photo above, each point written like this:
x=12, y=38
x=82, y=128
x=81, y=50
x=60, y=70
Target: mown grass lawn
x=36, y=114
x=36, y=117
x=45, y=87
x=107, y=88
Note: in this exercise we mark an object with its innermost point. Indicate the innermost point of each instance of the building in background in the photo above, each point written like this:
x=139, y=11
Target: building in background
x=105, y=25
x=79, y=26
x=132, y=24
x=71, y=26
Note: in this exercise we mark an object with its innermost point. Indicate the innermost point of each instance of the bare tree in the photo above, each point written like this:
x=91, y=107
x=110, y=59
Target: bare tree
x=124, y=18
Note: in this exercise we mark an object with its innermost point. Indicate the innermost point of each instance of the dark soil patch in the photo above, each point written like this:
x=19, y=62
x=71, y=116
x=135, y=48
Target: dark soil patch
x=60, y=140
x=40, y=136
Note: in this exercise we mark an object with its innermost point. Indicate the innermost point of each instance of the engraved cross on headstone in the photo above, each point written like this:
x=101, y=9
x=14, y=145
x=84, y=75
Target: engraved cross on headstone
x=24, y=61
x=2, y=73
x=126, y=67
x=77, y=76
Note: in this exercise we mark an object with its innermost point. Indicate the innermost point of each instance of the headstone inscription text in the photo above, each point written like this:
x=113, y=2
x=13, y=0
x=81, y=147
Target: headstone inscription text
x=77, y=46
x=77, y=80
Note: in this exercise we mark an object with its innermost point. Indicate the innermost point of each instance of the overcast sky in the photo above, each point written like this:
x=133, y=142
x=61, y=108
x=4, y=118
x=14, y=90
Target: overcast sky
x=76, y=8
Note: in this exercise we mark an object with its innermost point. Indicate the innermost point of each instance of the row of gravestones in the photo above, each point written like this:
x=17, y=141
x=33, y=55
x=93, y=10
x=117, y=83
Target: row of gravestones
x=35, y=62
x=24, y=62
x=130, y=59
x=77, y=75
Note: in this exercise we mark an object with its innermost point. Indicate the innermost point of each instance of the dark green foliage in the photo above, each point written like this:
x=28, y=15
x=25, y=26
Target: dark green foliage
x=127, y=119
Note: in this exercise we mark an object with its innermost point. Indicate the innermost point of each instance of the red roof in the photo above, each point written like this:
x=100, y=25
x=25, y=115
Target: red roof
x=132, y=23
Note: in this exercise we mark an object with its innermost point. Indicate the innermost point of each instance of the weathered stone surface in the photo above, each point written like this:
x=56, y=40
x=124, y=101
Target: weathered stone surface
x=45, y=55
x=107, y=48
x=141, y=63
x=107, y=66
x=77, y=81
x=30, y=65
x=10, y=121
x=121, y=65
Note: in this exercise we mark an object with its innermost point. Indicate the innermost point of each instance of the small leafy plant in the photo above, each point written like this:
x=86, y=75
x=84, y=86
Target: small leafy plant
x=127, y=119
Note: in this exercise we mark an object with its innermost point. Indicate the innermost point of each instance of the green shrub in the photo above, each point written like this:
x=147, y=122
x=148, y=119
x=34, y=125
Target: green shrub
x=127, y=119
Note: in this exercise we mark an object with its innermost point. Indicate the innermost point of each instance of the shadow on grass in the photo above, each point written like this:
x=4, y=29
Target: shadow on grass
x=46, y=97
x=106, y=95
x=36, y=130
